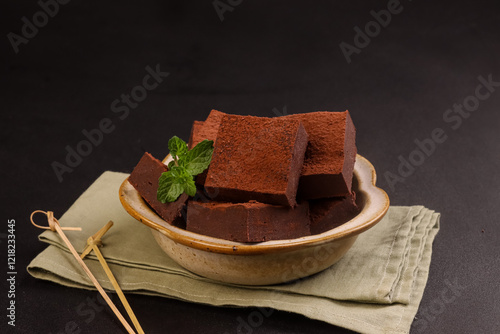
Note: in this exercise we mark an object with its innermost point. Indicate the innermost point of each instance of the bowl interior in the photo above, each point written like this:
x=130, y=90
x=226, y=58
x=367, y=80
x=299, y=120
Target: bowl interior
x=373, y=202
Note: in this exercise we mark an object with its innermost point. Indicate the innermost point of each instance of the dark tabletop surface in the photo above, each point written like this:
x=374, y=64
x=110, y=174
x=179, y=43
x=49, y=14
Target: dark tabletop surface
x=423, y=89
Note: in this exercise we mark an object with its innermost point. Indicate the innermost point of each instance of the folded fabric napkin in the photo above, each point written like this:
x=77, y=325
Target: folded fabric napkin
x=375, y=288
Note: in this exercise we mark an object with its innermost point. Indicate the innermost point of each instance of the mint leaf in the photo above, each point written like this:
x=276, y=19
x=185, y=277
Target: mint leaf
x=199, y=157
x=169, y=187
x=181, y=174
x=190, y=187
x=186, y=164
x=177, y=147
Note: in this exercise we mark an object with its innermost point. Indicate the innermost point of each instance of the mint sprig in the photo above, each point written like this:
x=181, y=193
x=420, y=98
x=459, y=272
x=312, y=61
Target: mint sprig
x=177, y=148
x=181, y=171
x=198, y=158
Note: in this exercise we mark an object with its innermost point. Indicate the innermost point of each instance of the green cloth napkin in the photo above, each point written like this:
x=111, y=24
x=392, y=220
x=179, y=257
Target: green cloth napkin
x=375, y=288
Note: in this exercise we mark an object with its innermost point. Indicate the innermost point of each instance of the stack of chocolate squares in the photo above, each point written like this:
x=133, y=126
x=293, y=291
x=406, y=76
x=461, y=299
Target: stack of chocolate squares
x=269, y=178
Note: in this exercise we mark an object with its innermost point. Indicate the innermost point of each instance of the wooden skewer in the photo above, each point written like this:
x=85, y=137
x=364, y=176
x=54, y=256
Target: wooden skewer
x=92, y=244
x=56, y=227
x=97, y=239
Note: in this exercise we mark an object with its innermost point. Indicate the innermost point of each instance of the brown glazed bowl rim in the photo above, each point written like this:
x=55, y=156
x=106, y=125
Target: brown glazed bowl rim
x=374, y=204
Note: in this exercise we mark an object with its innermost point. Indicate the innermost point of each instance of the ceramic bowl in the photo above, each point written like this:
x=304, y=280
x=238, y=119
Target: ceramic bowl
x=269, y=262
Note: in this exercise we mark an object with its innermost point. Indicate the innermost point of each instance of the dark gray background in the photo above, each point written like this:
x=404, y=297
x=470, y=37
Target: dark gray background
x=262, y=56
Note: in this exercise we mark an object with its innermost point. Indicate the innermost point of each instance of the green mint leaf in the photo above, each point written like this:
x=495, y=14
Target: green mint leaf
x=169, y=187
x=181, y=174
x=177, y=147
x=186, y=164
x=199, y=157
x=190, y=187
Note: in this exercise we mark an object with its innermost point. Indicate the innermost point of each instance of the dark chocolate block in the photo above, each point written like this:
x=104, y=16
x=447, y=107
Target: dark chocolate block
x=195, y=136
x=330, y=155
x=329, y=213
x=144, y=178
x=207, y=129
x=257, y=158
x=195, y=130
x=248, y=222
